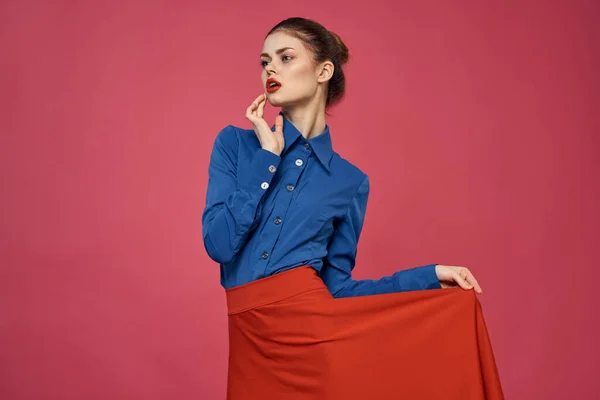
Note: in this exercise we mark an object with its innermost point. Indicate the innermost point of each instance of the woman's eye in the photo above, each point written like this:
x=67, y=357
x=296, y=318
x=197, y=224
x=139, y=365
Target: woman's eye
x=264, y=63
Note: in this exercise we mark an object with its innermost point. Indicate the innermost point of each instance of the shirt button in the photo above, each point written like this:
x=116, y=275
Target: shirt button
x=306, y=146
x=264, y=185
x=290, y=188
x=277, y=220
x=272, y=168
x=265, y=255
x=299, y=162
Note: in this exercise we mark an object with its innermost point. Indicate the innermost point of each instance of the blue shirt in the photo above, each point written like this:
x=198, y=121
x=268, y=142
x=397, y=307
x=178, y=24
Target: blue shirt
x=266, y=213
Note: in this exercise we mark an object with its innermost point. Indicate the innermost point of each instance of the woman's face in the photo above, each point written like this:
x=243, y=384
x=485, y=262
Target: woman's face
x=285, y=59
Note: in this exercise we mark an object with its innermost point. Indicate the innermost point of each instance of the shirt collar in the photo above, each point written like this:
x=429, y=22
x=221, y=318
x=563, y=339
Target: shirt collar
x=321, y=144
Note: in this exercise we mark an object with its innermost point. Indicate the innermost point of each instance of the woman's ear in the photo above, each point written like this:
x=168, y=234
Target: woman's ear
x=325, y=71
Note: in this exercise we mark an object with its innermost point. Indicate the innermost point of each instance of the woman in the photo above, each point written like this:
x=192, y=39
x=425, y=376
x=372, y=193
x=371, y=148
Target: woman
x=283, y=217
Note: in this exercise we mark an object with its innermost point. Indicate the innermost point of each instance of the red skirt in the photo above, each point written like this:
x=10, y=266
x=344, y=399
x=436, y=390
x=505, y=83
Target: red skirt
x=290, y=339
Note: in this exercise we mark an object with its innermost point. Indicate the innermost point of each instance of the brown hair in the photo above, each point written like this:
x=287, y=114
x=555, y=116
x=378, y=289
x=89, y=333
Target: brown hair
x=325, y=45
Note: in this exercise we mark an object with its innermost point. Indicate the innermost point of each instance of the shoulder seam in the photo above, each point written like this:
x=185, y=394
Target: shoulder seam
x=356, y=191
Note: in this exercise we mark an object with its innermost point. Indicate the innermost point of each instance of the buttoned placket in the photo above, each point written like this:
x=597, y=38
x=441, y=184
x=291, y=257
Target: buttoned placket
x=290, y=181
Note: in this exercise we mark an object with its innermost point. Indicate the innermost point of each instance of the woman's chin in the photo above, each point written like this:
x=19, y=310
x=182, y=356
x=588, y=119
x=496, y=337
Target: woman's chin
x=275, y=101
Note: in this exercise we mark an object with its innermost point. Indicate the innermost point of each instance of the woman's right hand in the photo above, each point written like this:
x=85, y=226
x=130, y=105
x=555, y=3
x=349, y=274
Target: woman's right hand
x=269, y=140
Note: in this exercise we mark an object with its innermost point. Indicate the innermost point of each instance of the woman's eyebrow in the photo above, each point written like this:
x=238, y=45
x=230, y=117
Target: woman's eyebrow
x=279, y=51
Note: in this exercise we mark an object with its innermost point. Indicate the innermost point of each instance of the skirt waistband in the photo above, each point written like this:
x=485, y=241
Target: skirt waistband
x=272, y=288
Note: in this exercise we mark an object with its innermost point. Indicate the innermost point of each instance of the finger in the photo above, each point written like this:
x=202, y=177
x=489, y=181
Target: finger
x=254, y=105
x=261, y=107
x=279, y=124
x=461, y=281
x=471, y=279
x=250, y=114
x=463, y=272
x=259, y=99
x=251, y=107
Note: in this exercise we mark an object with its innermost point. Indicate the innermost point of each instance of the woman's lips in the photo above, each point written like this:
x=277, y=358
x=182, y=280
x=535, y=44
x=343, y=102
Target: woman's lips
x=272, y=85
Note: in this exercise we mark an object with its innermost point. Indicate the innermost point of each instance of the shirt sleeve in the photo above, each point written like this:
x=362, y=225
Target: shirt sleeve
x=232, y=207
x=341, y=258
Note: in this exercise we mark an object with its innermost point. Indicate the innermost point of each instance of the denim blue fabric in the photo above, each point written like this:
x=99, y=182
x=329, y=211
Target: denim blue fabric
x=265, y=213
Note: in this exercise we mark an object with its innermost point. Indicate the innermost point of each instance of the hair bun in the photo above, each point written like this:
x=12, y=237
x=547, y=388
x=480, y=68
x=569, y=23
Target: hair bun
x=343, y=55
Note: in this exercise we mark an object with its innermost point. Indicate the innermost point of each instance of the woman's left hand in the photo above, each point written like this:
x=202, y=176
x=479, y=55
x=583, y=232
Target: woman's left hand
x=453, y=276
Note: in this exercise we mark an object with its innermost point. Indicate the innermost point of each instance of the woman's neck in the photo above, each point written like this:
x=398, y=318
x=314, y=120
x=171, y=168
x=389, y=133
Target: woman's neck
x=308, y=119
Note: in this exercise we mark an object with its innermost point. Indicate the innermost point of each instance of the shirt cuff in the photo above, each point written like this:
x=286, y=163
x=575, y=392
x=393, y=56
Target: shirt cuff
x=263, y=167
x=418, y=278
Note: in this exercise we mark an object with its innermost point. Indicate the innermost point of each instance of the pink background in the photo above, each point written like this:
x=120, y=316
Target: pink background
x=476, y=121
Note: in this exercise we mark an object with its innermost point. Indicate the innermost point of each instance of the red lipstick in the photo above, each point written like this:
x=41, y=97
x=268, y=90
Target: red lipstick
x=272, y=85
